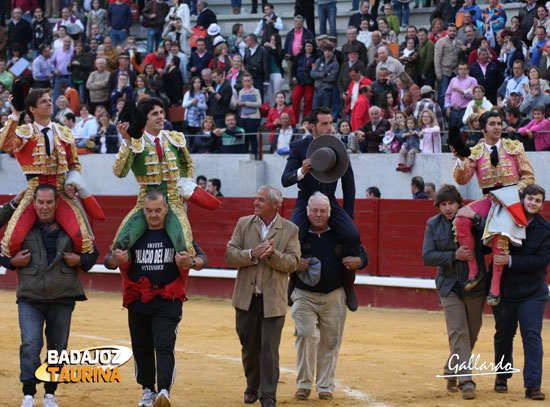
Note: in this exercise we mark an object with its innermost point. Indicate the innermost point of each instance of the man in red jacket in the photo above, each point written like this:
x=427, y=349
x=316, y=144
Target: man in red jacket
x=158, y=59
x=360, y=113
x=357, y=82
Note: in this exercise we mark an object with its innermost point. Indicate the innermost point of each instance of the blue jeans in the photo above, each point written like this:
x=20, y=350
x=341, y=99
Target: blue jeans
x=192, y=7
x=56, y=93
x=355, y=5
x=154, y=36
x=327, y=11
x=250, y=127
x=259, y=84
x=236, y=3
x=456, y=118
x=529, y=313
x=442, y=86
x=82, y=91
x=119, y=37
x=336, y=103
x=32, y=317
x=323, y=99
x=403, y=13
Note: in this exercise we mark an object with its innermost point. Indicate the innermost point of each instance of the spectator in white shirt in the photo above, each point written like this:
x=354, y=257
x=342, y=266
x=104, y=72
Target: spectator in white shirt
x=284, y=136
x=85, y=128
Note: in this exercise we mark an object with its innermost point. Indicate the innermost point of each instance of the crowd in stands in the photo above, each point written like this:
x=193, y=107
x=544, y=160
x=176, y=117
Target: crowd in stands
x=387, y=96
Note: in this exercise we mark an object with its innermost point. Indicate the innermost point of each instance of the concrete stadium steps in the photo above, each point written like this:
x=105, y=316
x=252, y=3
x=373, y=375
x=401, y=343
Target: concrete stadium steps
x=285, y=9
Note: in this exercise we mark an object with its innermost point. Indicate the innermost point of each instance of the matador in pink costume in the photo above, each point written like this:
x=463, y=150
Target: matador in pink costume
x=503, y=170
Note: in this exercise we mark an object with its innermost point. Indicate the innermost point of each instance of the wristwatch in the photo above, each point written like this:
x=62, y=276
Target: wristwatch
x=477, y=219
x=193, y=264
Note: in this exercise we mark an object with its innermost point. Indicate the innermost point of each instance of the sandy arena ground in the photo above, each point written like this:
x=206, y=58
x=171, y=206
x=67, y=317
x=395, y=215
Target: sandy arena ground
x=389, y=357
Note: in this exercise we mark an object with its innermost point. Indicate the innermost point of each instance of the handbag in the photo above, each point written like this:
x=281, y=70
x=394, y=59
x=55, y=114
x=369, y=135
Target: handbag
x=176, y=114
x=197, y=33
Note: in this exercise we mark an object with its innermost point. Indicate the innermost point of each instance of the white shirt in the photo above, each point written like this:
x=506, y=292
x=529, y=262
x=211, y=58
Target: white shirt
x=50, y=134
x=278, y=25
x=85, y=129
x=284, y=138
x=265, y=232
x=152, y=138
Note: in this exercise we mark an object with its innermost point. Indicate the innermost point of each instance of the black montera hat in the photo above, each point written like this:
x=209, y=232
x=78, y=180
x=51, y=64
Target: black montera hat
x=329, y=158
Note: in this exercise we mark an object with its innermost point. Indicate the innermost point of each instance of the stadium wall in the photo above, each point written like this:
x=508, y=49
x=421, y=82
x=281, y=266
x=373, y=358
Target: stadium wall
x=392, y=231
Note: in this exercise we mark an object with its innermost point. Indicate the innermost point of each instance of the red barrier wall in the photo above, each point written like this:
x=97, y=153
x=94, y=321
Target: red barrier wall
x=392, y=230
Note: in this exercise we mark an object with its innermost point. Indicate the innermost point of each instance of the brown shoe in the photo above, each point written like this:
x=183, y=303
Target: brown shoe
x=534, y=393
x=250, y=397
x=468, y=393
x=325, y=395
x=302, y=394
x=452, y=385
x=501, y=385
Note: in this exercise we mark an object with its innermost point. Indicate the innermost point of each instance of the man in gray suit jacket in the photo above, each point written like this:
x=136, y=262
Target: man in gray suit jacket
x=266, y=249
x=462, y=309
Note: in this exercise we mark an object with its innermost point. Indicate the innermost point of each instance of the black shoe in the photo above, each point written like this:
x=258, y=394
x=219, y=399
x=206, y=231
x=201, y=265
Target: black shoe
x=493, y=300
x=471, y=284
x=501, y=385
x=534, y=393
x=250, y=397
x=452, y=385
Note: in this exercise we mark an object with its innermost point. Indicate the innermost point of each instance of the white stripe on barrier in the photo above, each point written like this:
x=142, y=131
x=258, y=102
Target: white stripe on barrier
x=404, y=282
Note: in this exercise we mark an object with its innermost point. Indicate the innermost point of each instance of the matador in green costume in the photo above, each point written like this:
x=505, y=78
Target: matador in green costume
x=159, y=160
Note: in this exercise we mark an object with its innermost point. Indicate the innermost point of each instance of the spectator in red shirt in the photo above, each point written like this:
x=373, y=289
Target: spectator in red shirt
x=360, y=112
x=274, y=115
x=27, y=8
x=158, y=59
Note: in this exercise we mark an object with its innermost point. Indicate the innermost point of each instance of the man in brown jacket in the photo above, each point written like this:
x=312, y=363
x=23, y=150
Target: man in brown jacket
x=265, y=248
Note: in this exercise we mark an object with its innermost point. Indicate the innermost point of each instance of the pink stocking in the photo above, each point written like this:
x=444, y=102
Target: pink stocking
x=464, y=231
x=500, y=246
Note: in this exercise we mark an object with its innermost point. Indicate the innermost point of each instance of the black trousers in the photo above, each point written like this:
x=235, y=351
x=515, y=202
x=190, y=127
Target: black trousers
x=151, y=334
x=308, y=12
x=255, y=6
x=260, y=339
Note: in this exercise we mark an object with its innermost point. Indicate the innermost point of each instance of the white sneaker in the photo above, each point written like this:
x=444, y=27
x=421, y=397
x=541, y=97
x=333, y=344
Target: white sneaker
x=28, y=401
x=148, y=398
x=163, y=399
x=49, y=401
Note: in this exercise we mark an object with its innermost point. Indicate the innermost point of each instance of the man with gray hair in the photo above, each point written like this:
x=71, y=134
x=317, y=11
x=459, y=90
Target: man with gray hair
x=372, y=132
x=319, y=300
x=266, y=249
x=206, y=16
x=98, y=85
x=154, y=275
x=386, y=61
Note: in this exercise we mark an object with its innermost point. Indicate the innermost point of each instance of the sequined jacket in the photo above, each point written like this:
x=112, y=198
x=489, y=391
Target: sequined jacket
x=513, y=166
x=142, y=158
x=27, y=143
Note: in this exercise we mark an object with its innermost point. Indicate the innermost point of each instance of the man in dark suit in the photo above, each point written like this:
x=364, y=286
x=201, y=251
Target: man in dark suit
x=220, y=96
x=297, y=171
x=123, y=67
x=256, y=62
x=491, y=78
x=372, y=132
x=524, y=297
x=206, y=16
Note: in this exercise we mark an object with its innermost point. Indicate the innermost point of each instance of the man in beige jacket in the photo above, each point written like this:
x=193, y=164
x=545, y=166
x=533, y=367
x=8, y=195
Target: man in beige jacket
x=446, y=52
x=265, y=248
